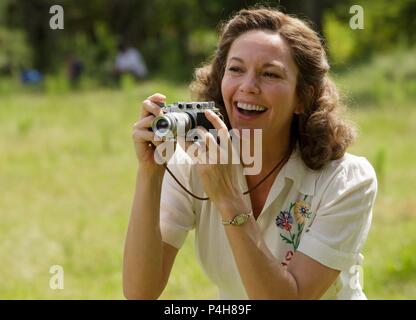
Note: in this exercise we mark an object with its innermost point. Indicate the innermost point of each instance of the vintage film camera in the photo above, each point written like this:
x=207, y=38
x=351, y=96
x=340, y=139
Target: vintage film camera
x=182, y=117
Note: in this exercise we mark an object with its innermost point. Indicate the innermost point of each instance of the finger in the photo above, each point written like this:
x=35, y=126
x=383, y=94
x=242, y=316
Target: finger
x=213, y=149
x=219, y=125
x=195, y=144
x=217, y=154
x=150, y=108
x=145, y=122
x=223, y=150
x=157, y=97
x=143, y=136
x=196, y=134
x=206, y=136
x=215, y=120
x=221, y=134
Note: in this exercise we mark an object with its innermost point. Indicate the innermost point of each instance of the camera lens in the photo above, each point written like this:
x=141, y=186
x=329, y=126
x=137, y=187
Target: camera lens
x=162, y=125
x=172, y=124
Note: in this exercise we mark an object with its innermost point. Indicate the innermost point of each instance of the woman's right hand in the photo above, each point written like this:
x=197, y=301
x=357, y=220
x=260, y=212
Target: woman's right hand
x=144, y=139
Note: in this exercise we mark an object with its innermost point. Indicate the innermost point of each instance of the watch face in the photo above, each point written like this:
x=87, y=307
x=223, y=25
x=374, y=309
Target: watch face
x=240, y=219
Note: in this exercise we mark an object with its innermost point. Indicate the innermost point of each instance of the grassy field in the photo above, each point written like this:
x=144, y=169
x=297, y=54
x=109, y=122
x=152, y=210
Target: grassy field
x=67, y=170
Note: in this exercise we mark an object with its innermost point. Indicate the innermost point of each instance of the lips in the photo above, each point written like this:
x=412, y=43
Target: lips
x=248, y=111
x=250, y=107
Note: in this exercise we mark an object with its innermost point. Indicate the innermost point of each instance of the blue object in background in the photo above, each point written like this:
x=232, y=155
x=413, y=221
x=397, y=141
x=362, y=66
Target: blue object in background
x=29, y=76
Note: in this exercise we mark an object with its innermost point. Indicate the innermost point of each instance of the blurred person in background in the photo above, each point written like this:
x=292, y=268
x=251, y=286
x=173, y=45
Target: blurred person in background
x=129, y=60
x=75, y=68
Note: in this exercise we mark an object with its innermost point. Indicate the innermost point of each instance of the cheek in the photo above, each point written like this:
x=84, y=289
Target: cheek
x=226, y=91
x=284, y=95
x=225, y=88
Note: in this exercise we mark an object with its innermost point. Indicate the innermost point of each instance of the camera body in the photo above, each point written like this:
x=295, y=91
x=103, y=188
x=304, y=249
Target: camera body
x=181, y=117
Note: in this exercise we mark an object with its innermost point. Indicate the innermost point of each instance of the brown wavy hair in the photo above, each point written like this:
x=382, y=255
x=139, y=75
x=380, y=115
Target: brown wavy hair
x=319, y=130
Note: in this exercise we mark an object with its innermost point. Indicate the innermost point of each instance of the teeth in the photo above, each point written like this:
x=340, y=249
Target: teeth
x=250, y=107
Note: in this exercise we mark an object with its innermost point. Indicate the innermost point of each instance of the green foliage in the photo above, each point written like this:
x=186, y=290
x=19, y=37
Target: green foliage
x=387, y=24
x=385, y=80
x=3, y=10
x=341, y=40
x=15, y=52
x=176, y=36
x=98, y=58
x=167, y=32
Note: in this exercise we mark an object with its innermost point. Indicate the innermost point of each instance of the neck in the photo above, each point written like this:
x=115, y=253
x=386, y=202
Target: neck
x=273, y=151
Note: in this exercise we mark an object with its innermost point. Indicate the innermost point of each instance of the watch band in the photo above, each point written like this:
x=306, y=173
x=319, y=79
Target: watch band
x=238, y=220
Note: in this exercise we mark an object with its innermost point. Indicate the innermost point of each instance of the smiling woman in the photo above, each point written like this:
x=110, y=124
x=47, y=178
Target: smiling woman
x=293, y=56
x=298, y=233
x=260, y=75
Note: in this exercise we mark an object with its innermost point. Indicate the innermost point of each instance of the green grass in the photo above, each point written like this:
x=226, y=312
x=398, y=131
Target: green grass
x=67, y=170
x=387, y=140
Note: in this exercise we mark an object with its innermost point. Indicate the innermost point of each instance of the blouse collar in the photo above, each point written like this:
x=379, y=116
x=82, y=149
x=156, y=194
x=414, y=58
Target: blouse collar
x=303, y=177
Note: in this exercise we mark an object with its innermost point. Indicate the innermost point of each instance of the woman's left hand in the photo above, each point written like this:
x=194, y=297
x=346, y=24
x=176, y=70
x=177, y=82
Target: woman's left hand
x=216, y=169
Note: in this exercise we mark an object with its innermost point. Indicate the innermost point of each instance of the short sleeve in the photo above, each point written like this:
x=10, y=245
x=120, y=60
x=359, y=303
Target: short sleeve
x=343, y=216
x=176, y=212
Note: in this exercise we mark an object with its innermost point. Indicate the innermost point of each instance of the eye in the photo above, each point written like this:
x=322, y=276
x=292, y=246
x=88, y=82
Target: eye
x=234, y=69
x=271, y=75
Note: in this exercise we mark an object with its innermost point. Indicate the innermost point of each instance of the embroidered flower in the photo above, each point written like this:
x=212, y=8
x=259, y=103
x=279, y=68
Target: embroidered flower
x=284, y=220
x=302, y=211
x=292, y=232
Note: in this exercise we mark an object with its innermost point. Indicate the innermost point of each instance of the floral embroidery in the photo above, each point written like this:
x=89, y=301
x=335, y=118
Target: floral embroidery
x=284, y=220
x=301, y=211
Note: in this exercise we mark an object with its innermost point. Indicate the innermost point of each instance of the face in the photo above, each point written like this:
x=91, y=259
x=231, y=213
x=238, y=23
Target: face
x=259, y=84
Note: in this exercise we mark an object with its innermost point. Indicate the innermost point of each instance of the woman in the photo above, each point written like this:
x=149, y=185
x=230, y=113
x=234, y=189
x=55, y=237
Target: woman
x=298, y=233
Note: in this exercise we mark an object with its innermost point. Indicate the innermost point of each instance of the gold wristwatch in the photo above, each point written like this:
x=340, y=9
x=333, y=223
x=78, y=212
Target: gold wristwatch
x=238, y=220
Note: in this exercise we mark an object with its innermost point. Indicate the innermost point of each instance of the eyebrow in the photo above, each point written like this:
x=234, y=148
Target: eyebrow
x=268, y=64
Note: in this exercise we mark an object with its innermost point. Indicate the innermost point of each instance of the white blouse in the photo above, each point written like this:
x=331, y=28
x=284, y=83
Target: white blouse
x=324, y=214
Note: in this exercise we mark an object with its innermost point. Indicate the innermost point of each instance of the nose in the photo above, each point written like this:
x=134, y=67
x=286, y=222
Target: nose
x=250, y=84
